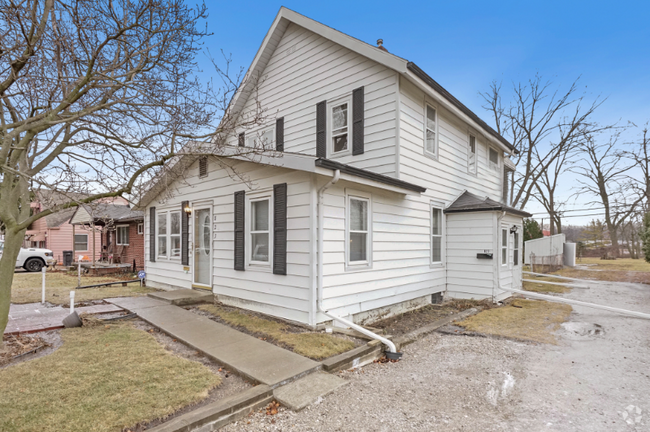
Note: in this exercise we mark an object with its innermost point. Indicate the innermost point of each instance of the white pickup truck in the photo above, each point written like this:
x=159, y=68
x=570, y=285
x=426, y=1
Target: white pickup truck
x=32, y=259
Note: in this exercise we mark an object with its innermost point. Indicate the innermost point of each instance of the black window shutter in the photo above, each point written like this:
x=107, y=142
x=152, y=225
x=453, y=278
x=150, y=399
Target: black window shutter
x=279, y=134
x=185, y=225
x=240, y=251
x=321, y=129
x=280, y=229
x=357, y=121
x=242, y=139
x=152, y=234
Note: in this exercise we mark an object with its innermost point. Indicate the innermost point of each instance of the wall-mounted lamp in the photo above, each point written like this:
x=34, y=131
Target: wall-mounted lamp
x=513, y=229
x=187, y=209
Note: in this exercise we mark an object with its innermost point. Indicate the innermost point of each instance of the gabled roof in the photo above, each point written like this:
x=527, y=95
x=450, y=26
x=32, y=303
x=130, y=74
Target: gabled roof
x=103, y=213
x=404, y=67
x=468, y=202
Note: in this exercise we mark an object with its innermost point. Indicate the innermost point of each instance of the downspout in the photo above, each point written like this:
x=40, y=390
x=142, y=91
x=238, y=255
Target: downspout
x=319, y=286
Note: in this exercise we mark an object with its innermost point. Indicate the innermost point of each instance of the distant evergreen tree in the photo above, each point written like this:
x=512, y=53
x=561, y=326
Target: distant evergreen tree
x=532, y=230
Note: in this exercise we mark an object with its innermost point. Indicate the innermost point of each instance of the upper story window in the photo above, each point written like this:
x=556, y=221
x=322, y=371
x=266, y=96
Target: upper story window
x=340, y=127
x=431, y=133
x=260, y=230
x=493, y=159
x=260, y=139
x=358, y=231
x=471, y=155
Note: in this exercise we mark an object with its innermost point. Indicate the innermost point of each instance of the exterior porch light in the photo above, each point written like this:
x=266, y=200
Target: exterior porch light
x=187, y=209
x=513, y=229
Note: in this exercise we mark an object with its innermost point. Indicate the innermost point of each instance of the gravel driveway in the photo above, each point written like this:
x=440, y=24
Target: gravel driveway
x=596, y=379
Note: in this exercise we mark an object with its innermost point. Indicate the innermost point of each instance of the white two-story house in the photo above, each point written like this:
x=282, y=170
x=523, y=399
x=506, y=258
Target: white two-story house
x=386, y=191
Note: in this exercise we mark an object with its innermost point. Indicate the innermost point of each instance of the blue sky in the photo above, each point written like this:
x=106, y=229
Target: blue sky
x=465, y=45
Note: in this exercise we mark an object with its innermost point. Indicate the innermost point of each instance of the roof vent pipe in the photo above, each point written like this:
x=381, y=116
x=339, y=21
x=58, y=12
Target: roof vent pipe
x=380, y=45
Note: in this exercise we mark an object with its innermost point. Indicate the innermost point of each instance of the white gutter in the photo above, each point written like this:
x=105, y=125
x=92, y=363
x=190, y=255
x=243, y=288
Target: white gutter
x=319, y=286
x=576, y=302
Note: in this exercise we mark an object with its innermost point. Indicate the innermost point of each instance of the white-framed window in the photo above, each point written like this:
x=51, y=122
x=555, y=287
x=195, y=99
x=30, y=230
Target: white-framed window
x=81, y=242
x=175, y=234
x=262, y=138
x=161, y=226
x=260, y=231
x=515, y=255
x=436, y=235
x=140, y=228
x=493, y=159
x=430, y=131
x=339, y=124
x=358, y=231
x=504, y=246
x=122, y=235
x=471, y=155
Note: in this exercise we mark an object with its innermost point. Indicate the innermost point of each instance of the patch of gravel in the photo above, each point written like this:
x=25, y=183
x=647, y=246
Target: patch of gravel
x=589, y=382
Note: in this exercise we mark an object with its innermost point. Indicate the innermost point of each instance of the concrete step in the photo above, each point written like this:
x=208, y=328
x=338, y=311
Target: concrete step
x=182, y=297
x=305, y=391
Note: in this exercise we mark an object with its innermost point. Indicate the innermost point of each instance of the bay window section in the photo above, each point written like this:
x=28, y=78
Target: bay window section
x=260, y=232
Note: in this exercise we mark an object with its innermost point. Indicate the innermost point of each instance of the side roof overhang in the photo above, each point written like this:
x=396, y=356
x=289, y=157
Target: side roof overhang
x=469, y=202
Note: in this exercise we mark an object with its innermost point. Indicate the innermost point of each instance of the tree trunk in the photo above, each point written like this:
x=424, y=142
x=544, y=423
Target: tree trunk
x=13, y=243
x=613, y=236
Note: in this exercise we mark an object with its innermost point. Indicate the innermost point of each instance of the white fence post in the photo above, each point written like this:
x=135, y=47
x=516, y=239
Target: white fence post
x=43, y=290
x=71, y=301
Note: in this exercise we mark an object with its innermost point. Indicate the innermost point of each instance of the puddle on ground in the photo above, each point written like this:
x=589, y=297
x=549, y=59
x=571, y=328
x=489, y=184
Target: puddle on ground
x=581, y=330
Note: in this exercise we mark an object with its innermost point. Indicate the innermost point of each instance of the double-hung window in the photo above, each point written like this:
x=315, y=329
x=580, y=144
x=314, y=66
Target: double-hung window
x=162, y=234
x=81, y=242
x=140, y=229
x=175, y=234
x=122, y=234
x=260, y=223
x=504, y=246
x=340, y=122
x=358, y=231
x=436, y=235
x=493, y=161
x=431, y=131
x=471, y=155
x=515, y=255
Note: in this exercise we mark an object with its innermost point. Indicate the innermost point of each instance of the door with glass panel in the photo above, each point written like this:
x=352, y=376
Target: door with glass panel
x=202, y=248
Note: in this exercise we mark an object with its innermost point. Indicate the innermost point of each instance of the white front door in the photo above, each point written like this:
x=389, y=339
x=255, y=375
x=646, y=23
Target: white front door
x=202, y=248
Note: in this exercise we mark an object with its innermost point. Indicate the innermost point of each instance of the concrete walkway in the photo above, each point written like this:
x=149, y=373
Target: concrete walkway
x=35, y=317
x=252, y=358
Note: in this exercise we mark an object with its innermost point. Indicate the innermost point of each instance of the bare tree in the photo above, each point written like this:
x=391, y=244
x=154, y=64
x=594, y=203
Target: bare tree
x=94, y=95
x=640, y=158
x=544, y=126
x=547, y=184
x=603, y=173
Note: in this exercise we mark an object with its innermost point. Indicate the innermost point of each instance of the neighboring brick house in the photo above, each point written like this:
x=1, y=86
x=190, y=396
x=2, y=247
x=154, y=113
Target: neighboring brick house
x=122, y=237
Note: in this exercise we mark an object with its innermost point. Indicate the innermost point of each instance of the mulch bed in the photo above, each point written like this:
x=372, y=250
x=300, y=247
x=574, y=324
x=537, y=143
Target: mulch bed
x=413, y=320
x=19, y=345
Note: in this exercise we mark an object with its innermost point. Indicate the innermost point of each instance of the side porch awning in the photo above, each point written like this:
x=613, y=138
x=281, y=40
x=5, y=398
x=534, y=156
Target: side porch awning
x=468, y=202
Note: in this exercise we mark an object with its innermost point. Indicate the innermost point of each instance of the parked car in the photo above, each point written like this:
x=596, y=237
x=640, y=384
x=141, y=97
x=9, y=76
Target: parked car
x=32, y=259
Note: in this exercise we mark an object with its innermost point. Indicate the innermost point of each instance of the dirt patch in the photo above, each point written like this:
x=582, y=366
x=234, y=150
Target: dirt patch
x=19, y=345
x=303, y=341
x=529, y=320
x=413, y=320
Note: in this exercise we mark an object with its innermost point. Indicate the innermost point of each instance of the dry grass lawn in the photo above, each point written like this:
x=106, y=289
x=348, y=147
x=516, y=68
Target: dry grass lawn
x=101, y=379
x=531, y=320
x=26, y=288
x=621, y=264
x=313, y=345
x=618, y=270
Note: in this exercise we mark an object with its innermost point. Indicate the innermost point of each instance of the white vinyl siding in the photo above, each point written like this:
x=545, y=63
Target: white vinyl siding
x=261, y=139
x=306, y=69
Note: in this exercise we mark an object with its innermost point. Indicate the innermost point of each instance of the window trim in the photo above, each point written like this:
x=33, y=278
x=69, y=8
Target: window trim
x=505, y=247
x=471, y=135
x=491, y=165
x=436, y=143
x=433, y=205
x=117, y=236
x=248, y=231
x=330, y=123
x=367, y=263
x=141, y=228
x=74, y=240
